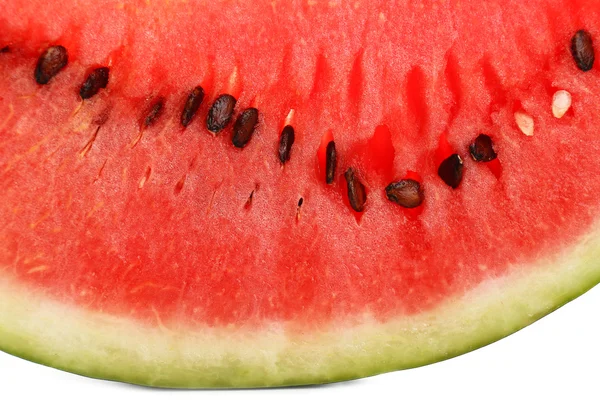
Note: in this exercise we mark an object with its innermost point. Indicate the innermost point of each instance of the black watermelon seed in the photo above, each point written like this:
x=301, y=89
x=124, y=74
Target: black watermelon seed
x=451, y=170
x=220, y=113
x=286, y=141
x=582, y=49
x=300, y=202
x=5, y=49
x=192, y=105
x=96, y=80
x=356, y=191
x=406, y=193
x=330, y=162
x=50, y=63
x=482, y=149
x=244, y=127
x=155, y=112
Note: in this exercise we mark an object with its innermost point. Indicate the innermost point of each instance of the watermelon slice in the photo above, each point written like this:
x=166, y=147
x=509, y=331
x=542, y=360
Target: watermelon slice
x=241, y=194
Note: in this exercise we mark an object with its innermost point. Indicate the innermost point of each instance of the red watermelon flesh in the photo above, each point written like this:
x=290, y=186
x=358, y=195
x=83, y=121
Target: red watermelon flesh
x=137, y=249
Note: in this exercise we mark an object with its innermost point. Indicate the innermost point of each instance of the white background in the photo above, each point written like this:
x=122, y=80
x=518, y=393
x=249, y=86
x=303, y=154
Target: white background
x=555, y=358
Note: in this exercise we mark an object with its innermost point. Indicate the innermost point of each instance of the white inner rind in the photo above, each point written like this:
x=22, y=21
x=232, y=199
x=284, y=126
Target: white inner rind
x=103, y=346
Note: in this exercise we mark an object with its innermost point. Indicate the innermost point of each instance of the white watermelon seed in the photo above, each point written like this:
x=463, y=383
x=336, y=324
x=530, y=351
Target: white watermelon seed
x=561, y=102
x=524, y=122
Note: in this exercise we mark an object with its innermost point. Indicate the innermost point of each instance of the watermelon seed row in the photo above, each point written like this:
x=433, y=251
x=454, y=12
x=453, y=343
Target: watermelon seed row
x=407, y=193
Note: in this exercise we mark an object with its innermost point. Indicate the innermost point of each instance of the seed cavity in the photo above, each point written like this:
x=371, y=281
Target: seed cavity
x=220, y=113
x=244, y=127
x=192, y=105
x=406, y=193
x=330, y=162
x=96, y=80
x=249, y=200
x=357, y=194
x=179, y=185
x=4, y=49
x=102, y=117
x=286, y=142
x=482, y=149
x=299, y=208
x=154, y=113
x=582, y=50
x=88, y=146
x=561, y=103
x=451, y=171
x=145, y=178
x=99, y=174
x=525, y=122
x=49, y=64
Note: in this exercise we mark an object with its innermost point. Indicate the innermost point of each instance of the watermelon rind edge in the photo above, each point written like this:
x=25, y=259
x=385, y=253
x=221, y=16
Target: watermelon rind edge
x=36, y=327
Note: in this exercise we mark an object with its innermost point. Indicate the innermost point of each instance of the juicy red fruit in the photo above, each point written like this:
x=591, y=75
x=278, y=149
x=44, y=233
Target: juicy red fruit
x=163, y=228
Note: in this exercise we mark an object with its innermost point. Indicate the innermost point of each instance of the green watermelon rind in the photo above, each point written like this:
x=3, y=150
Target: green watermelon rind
x=115, y=348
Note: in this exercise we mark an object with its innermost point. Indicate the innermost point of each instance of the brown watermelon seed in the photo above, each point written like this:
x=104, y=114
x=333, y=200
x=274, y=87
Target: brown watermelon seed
x=96, y=80
x=220, y=113
x=286, y=141
x=5, y=49
x=244, y=127
x=482, y=149
x=192, y=105
x=154, y=113
x=50, y=63
x=330, y=162
x=356, y=191
x=451, y=170
x=582, y=49
x=406, y=193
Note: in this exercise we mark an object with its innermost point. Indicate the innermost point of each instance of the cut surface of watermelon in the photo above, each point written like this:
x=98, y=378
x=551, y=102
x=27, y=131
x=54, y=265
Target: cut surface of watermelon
x=217, y=194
